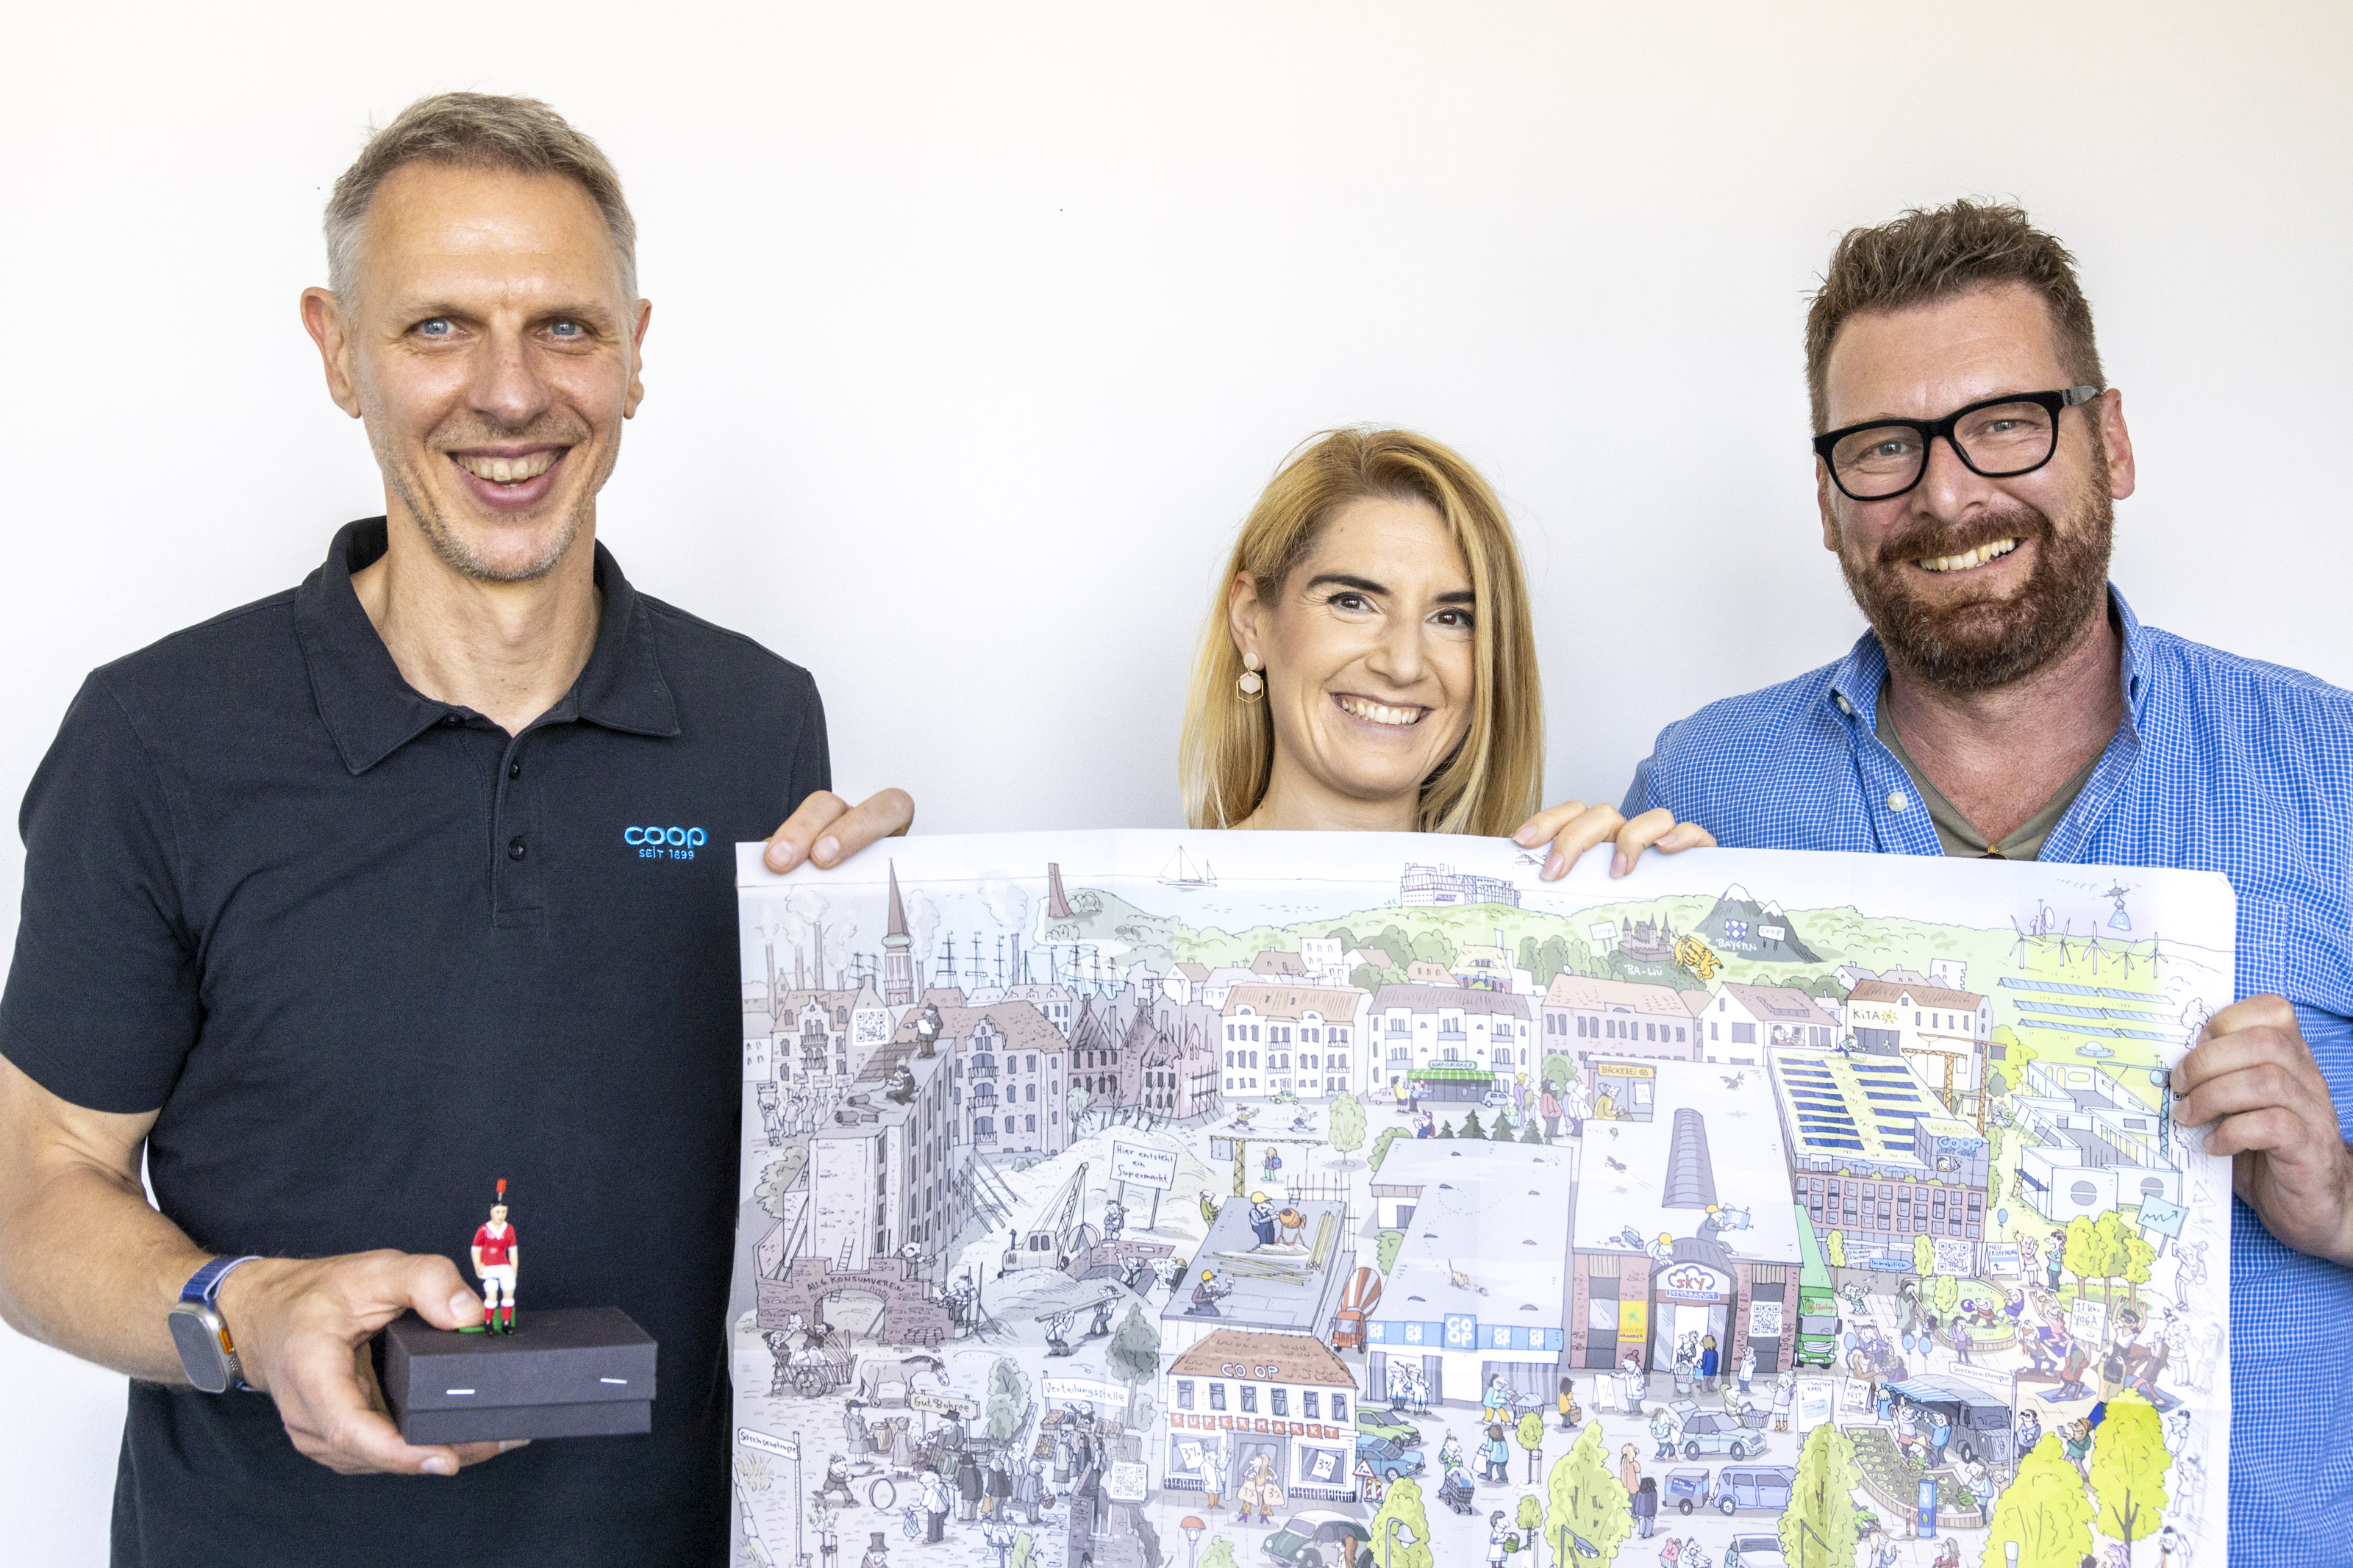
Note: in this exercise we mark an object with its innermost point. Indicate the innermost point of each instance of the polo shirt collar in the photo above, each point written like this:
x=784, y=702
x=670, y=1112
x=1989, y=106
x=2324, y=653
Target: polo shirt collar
x=370, y=712
x=1855, y=679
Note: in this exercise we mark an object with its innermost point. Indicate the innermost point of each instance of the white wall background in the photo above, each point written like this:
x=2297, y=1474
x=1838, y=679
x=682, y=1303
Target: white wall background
x=977, y=329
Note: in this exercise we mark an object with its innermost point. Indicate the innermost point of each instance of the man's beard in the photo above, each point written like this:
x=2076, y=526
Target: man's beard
x=1979, y=645
x=451, y=546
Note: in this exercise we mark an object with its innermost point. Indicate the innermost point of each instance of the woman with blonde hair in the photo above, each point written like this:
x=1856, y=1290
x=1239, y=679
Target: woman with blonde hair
x=1369, y=664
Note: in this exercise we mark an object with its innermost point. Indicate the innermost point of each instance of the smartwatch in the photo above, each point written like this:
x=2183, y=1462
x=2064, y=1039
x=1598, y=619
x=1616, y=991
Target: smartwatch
x=205, y=1354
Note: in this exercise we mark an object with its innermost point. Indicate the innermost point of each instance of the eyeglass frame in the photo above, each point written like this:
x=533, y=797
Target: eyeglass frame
x=2053, y=403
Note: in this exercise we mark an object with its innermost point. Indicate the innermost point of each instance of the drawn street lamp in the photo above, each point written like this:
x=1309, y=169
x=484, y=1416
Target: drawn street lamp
x=1804, y=1557
x=1389, y=1539
x=2163, y=1078
x=1192, y=1528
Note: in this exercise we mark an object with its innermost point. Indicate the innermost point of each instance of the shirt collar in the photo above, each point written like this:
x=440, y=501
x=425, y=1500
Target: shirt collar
x=1855, y=679
x=372, y=712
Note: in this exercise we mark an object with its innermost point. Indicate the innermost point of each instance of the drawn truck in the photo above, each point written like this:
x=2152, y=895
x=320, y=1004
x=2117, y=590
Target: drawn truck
x=1818, y=1322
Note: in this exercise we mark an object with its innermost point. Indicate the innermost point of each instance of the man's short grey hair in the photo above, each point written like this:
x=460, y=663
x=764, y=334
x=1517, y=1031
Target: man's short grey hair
x=476, y=131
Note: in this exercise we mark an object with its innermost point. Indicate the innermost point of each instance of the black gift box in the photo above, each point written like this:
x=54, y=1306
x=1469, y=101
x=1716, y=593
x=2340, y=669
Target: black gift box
x=565, y=1371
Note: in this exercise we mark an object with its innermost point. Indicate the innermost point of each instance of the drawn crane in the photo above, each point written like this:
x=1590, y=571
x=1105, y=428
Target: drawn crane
x=1057, y=1234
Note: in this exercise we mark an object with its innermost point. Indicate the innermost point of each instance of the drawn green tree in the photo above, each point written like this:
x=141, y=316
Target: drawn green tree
x=2128, y=1465
x=1397, y=945
x=1076, y=1104
x=1529, y=956
x=1834, y=1248
x=1947, y=1292
x=1431, y=947
x=2127, y=1252
x=1134, y=1354
x=1381, y=1145
x=2043, y=1513
x=1345, y=937
x=1402, y=1504
x=1924, y=1256
x=1025, y=1550
x=1529, y=1519
x=1220, y=1553
x=1552, y=959
x=1587, y=1500
x=1530, y=1434
x=1347, y=1134
x=1558, y=1070
x=2086, y=1256
x=1364, y=977
x=1471, y=1128
x=1533, y=1132
x=1385, y=1248
x=1818, y=1527
x=1446, y=1130
x=1009, y=1399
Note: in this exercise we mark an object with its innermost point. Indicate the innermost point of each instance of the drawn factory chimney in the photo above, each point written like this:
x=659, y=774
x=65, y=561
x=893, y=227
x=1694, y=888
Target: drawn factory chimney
x=898, y=960
x=1058, y=906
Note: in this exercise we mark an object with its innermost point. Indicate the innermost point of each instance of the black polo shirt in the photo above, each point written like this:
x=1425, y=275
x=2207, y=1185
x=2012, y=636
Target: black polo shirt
x=368, y=953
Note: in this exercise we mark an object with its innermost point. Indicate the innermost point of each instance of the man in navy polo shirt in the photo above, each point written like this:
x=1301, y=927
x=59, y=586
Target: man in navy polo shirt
x=346, y=903
x=2006, y=703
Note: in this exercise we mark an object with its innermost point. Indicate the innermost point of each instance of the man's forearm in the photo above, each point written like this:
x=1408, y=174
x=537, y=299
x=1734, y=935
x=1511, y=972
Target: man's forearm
x=86, y=1263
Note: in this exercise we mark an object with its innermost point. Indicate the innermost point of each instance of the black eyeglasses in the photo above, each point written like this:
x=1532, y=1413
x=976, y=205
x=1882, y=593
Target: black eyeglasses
x=1998, y=438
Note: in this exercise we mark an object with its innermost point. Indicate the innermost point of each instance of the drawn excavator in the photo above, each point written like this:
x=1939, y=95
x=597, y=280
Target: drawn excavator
x=1057, y=1234
x=1698, y=957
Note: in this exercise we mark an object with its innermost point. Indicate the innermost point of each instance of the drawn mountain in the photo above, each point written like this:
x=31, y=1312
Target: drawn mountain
x=1740, y=924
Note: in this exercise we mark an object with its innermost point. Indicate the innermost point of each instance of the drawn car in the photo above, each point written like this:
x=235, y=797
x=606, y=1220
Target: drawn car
x=1373, y=1421
x=1754, y=1552
x=1685, y=1489
x=1713, y=1432
x=1755, y=1486
x=1496, y=1098
x=1320, y=1539
x=1389, y=1460
x=1981, y=1422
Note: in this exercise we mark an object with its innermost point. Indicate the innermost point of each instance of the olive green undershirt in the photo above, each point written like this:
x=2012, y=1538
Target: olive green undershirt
x=1955, y=831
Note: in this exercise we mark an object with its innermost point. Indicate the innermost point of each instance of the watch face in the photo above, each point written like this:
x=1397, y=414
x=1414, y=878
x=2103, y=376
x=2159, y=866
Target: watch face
x=197, y=1331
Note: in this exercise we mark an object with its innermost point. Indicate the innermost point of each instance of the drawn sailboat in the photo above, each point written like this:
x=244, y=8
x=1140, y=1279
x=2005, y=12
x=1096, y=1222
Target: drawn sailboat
x=1183, y=875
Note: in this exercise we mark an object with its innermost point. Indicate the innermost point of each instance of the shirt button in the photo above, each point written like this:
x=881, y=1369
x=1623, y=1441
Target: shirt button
x=1897, y=801
x=515, y=769
x=449, y=719
x=514, y=848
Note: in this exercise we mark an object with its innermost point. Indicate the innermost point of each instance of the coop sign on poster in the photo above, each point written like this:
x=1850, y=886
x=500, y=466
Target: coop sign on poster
x=1154, y=1168
x=1692, y=1283
x=1764, y=1319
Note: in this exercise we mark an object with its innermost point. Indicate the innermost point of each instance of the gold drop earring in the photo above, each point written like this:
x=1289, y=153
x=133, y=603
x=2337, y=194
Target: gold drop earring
x=1249, y=683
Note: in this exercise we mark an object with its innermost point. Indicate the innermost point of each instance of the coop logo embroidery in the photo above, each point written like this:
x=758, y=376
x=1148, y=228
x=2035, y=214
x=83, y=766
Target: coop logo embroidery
x=665, y=843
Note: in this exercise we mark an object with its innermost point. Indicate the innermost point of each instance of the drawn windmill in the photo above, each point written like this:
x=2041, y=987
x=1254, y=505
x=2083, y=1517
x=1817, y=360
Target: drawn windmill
x=2017, y=948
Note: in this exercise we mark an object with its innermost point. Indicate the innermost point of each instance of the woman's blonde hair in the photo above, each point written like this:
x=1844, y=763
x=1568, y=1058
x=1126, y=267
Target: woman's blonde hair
x=1493, y=780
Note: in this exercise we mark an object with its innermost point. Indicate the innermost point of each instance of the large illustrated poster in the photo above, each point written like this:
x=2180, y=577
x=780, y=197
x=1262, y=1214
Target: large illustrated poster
x=1119, y=1199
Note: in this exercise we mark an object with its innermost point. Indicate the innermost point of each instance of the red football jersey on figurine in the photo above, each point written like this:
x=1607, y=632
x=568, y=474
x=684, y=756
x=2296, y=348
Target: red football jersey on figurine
x=496, y=1250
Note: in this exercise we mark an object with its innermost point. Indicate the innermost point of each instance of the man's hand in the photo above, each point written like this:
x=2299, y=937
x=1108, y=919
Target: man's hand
x=2253, y=1077
x=302, y=1328
x=826, y=829
x=1575, y=827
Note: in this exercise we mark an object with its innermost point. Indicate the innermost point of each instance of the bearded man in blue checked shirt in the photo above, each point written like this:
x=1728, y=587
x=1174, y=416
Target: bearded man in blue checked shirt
x=2007, y=703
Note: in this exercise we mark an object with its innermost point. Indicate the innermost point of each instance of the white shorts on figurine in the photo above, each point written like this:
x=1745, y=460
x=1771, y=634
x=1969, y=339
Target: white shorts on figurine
x=498, y=1279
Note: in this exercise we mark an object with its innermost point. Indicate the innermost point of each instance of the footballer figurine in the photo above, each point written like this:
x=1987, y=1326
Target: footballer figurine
x=495, y=1258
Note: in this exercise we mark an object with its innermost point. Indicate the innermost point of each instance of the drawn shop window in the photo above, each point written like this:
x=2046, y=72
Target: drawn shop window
x=1307, y=1401
x=1249, y=1399
x=1217, y=1397
x=1280, y=1398
x=1339, y=1408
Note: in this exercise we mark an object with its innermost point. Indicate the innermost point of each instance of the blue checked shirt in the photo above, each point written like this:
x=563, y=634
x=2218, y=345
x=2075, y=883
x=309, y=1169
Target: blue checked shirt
x=2222, y=764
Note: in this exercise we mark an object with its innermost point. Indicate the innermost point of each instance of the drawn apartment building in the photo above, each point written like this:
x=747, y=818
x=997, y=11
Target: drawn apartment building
x=882, y=1176
x=1424, y=1027
x=1007, y=1074
x=1875, y=1155
x=1583, y=1016
x=1288, y=1035
x=1426, y=887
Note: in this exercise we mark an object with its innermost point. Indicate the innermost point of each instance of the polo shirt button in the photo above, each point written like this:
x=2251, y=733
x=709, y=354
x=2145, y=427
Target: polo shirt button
x=449, y=719
x=514, y=848
x=515, y=769
x=1897, y=801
